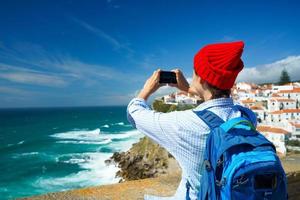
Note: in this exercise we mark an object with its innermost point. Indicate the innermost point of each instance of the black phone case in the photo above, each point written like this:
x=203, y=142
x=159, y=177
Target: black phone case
x=167, y=77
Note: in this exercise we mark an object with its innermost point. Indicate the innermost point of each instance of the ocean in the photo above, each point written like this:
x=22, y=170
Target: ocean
x=55, y=149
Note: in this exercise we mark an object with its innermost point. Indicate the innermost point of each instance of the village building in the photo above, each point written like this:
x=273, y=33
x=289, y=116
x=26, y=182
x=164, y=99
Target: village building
x=294, y=128
x=260, y=112
x=286, y=115
x=276, y=135
x=248, y=102
x=278, y=103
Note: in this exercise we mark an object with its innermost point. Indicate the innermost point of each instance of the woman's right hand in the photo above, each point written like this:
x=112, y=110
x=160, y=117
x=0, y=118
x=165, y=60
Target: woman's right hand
x=182, y=83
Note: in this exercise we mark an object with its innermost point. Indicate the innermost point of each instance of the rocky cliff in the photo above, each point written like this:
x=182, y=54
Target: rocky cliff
x=145, y=159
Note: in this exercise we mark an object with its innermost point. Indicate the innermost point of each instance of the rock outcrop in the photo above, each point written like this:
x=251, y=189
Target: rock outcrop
x=145, y=159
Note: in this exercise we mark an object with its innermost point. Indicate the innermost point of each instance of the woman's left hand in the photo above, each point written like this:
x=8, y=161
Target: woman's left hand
x=151, y=85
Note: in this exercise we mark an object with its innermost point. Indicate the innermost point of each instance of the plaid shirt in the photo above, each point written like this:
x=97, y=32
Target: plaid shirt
x=183, y=134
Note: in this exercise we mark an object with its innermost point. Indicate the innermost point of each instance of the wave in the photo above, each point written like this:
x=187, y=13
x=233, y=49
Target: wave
x=92, y=136
x=105, y=141
x=115, y=124
x=131, y=137
x=94, y=172
x=79, y=135
x=19, y=143
x=25, y=154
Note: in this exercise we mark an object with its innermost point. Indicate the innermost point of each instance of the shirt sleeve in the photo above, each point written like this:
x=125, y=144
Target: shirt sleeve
x=155, y=125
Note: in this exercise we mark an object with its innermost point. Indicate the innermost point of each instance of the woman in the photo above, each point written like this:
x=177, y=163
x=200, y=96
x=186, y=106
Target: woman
x=183, y=133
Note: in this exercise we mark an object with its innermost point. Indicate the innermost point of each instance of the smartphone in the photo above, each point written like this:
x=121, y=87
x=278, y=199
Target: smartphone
x=167, y=77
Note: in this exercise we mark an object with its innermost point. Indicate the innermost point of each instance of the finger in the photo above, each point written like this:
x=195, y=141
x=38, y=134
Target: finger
x=157, y=73
x=175, y=70
x=154, y=75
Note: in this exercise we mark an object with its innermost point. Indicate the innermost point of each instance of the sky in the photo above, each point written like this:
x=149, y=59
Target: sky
x=98, y=53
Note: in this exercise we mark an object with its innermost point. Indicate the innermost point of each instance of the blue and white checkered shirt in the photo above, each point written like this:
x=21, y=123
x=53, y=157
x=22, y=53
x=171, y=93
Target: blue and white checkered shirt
x=183, y=134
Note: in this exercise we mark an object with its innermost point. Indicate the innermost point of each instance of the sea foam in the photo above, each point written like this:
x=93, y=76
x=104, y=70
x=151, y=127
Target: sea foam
x=94, y=172
x=92, y=136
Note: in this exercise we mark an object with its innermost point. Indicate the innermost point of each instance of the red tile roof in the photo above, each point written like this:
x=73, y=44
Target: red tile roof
x=297, y=125
x=295, y=90
x=256, y=108
x=248, y=101
x=271, y=129
x=286, y=111
x=275, y=95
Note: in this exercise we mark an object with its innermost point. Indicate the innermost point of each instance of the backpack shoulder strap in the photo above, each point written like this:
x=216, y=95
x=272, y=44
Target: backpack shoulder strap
x=209, y=118
x=212, y=120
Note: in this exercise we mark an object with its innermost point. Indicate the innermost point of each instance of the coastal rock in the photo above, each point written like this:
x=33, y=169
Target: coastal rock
x=145, y=159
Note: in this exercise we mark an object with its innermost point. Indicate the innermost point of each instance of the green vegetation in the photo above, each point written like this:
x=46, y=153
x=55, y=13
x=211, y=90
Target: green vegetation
x=160, y=106
x=284, y=77
x=149, y=149
x=293, y=143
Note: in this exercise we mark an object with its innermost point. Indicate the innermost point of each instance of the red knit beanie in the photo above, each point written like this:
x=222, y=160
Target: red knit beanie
x=219, y=64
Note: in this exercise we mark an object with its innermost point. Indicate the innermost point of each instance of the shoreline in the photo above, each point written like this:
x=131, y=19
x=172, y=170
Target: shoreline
x=163, y=185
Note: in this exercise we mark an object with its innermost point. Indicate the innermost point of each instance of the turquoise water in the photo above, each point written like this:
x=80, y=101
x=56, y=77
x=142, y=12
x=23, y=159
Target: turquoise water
x=54, y=149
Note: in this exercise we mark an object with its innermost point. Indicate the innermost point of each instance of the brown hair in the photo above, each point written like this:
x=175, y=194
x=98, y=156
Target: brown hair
x=218, y=93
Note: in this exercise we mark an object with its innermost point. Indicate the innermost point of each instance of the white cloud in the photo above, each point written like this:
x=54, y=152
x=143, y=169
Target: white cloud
x=271, y=72
x=33, y=78
x=14, y=91
x=102, y=34
x=32, y=65
x=28, y=76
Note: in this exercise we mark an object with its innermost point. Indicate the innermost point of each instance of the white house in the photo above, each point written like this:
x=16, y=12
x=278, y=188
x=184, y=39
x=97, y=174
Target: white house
x=169, y=99
x=185, y=98
x=291, y=94
x=284, y=115
x=276, y=88
x=276, y=135
x=248, y=102
x=266, y=90
x=294, y=127
x=260, y=112
x=243, y=94
x=243, y=86
x=277, y=103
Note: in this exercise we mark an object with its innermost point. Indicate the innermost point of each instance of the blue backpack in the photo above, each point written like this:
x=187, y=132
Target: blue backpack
x=240, y=163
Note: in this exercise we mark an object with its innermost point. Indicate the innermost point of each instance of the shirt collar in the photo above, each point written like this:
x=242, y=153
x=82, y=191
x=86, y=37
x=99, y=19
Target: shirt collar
x=215, y=102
